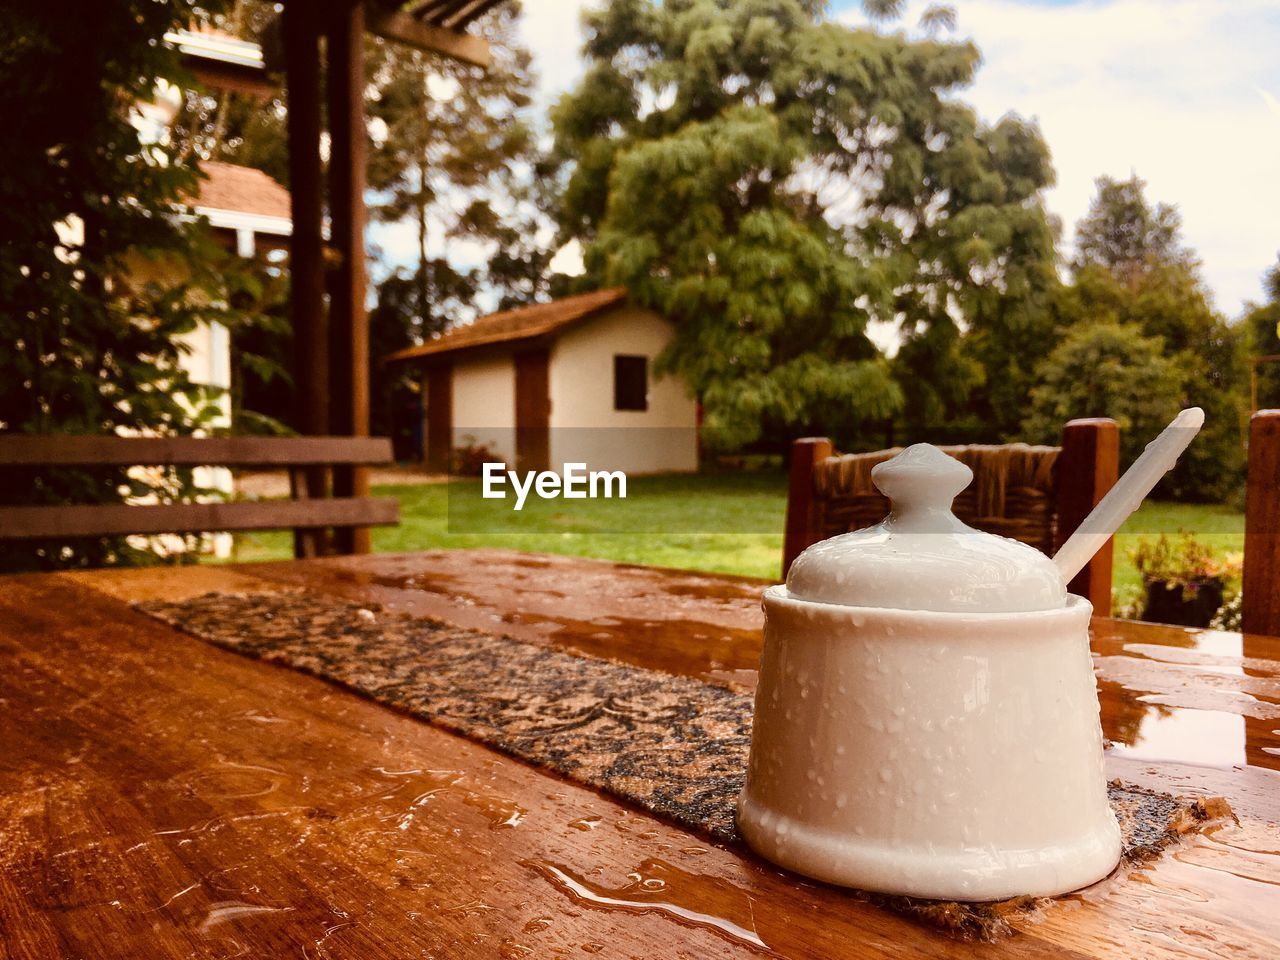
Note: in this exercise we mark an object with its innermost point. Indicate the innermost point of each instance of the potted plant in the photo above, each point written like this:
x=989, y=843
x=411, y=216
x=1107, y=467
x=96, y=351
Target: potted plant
x=469, y=459
x=1185, y=581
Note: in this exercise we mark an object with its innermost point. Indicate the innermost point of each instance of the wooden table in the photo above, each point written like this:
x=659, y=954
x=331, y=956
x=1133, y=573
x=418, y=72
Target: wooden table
x=160, y=797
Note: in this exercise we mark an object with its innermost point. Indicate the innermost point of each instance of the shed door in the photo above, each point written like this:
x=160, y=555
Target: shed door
x=439, y=392
x=533, y=411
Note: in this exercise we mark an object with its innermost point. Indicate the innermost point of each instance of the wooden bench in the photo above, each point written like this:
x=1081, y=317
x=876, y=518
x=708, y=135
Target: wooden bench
x=309, y=461
x=1038, y=495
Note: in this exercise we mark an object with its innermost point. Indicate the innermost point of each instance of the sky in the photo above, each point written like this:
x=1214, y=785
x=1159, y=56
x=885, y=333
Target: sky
x=1186, y=93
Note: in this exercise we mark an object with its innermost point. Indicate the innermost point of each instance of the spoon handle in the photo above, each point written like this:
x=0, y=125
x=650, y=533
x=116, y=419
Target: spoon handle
x=1128, y=493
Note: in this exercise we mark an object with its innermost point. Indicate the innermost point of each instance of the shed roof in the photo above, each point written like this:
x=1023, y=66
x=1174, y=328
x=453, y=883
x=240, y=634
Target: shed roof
x=241, y=190
x=522, y=323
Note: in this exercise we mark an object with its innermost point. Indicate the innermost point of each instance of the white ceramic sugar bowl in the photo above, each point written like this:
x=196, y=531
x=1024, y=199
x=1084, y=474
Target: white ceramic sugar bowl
x=926, y=718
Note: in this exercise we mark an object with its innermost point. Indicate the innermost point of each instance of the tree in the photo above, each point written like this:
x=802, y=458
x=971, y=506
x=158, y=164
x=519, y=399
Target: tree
x=772, y=182
x=262, y=397
x=1262, y=333
x=454, y=155
x=90, y=345
x=400, y=319
x=1134, y=271
x=1000, y=284
x=1106, y=369
x=938, y=18
x=453, y=151
x=1125, y=234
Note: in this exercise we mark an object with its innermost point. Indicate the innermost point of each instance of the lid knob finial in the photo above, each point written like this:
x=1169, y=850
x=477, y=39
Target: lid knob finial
x=920, y=481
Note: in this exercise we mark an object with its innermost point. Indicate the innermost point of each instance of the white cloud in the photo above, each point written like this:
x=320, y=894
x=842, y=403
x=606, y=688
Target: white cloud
x=1167, y=88
x=553, y=31
x=398, y=243
x=568, y=260
x=1272, y=103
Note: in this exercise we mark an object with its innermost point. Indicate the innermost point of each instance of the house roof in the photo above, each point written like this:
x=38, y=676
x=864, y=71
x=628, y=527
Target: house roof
x=239, y=189
x=523, y=323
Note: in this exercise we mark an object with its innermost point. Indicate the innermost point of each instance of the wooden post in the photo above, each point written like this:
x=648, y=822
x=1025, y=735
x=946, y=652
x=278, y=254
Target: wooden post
x=399, y=26
x=801, y=529
x=1261, y=613
x=1088, y=467
x=1259, y=740
x=348, y=318
x=306, y=265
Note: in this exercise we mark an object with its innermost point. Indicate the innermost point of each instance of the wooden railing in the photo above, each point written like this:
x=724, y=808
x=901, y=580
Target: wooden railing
x=1086, y=467
x=306, y=458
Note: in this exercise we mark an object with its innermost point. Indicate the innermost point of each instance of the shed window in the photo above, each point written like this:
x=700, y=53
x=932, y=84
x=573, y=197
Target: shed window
x=630, y=383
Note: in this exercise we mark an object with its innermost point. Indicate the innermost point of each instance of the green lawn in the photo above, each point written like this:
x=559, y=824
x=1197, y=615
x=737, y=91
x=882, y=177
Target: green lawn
x=726, y=523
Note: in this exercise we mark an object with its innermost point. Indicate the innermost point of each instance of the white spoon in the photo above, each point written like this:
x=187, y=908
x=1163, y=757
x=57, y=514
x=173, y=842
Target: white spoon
x=1128, y=493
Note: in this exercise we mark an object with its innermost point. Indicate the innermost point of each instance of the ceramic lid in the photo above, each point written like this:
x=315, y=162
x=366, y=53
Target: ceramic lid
x=921, y=557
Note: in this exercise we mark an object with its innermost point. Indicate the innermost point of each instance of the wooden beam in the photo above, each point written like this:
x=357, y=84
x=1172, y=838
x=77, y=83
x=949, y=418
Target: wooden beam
x=252, y=81
x=450, y=14
x=52, y=450
x=464, y=13
x=348, y=317
x=118, y=519
x=433, y=11
x=306, y=261
x=1260, y=592
x=306, y=255
x=402, y=28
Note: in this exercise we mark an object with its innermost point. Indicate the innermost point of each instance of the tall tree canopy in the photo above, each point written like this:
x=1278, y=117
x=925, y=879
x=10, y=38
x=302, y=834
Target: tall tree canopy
x=1262, y=331
x=1107, y=369
x=1133, y=274
x=453, y=156
x=1125, y=234
x=774, y=182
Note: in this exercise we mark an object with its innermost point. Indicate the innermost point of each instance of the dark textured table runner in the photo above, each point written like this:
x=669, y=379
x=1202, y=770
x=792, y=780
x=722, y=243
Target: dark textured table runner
x=671, y=745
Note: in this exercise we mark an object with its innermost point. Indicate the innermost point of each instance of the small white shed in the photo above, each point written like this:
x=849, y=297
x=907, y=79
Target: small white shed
x=570, y=381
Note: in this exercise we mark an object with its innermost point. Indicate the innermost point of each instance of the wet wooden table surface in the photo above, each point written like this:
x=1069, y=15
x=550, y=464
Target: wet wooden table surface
x=160, y=797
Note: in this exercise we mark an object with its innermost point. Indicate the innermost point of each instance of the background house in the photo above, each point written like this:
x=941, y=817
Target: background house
x=248, y=213
x=567, y=381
